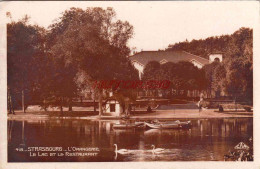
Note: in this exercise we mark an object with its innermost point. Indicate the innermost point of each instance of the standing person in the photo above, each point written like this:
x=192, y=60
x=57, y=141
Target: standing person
x=200, y=102
x=9, y=100
x=201, y=96
x=128, y=110
x=199, y=106
x=149, y=109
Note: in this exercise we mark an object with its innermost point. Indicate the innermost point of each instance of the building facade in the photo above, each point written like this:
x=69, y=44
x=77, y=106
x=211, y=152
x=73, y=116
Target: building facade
x=139, y=60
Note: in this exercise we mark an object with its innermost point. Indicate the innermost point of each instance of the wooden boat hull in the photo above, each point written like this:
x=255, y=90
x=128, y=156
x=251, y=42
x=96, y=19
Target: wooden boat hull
x=163, y=125
x=129, y=126
x=184, y=124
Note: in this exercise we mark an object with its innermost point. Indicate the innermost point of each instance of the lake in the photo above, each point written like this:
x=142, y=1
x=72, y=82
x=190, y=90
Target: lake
x=85, y=140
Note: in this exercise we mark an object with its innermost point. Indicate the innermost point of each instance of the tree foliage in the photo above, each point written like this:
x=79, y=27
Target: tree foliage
x=25, y=58
x=80, y=47
x=235, y=75
x=237, y=44
x=94, y=42
x=182, y=75
x=90, y=40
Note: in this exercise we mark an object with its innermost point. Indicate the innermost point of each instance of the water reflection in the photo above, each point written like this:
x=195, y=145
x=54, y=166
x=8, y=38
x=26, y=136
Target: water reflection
x=209, y=139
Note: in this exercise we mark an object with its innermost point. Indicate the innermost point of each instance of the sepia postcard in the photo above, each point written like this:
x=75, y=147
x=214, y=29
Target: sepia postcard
x=123, y=84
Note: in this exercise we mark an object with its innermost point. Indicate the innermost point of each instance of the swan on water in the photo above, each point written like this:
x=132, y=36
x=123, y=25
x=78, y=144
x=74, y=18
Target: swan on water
x=121, y=151
x=157, y=150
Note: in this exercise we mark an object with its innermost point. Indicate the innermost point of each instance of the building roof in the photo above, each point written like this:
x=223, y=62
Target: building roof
x=171, y=56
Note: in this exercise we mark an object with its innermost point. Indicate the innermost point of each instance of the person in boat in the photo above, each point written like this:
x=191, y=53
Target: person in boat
x=149, y=109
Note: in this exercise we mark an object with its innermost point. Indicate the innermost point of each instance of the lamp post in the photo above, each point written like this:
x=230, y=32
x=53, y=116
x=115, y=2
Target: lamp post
x=23, y=101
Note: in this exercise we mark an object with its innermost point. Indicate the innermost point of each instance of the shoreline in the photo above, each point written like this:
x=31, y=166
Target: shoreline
x=159, y=114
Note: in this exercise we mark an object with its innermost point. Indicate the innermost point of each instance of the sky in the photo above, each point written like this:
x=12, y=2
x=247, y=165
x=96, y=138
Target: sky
x=156, y=24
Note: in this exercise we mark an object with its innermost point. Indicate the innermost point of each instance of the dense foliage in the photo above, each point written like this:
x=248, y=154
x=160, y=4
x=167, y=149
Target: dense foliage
x=182, y=75
x=25, y=51
x=234, y=75
x=239, y=43
x=91, y=43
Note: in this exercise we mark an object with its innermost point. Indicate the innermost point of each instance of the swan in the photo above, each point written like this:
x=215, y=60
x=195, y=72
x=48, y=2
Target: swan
x=121, y=151
x=157, y=150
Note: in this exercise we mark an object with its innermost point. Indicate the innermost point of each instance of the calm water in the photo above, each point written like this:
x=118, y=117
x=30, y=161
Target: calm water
x=207, y=140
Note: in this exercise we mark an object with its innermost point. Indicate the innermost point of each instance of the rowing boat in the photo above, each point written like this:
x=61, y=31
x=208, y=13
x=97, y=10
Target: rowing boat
x=136, y=125
x=169, y=125
x=163, y=125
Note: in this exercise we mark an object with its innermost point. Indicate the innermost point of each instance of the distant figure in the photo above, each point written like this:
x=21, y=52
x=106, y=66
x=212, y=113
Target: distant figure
x=220, y=108
x=149, y=109
x=128, y=111
x=201, y=96
x=251, y=139
x=199, y=106
x=200, y=102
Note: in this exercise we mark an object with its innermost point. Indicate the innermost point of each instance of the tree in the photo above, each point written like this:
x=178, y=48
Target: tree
x=182, y=75
x=239, y=65
x=219, y=78
x=240, y=41
x=235, y=75
x=94, y=42
x=211, y=75
x=239, y=79
x=151, y=70
x=63, y=86
x=25, y=50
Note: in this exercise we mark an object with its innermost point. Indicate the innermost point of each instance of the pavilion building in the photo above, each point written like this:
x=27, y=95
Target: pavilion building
x=141, y=59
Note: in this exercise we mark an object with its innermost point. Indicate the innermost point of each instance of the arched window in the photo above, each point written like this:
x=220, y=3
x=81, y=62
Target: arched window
x=216, y=60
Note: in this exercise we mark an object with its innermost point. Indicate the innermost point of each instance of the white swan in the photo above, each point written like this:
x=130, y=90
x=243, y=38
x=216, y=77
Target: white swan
x=121, y=151
x=157, y=150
